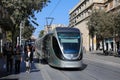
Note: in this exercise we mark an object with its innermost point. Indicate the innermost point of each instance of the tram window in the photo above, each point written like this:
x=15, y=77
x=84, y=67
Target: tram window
x=56, y=47
x=69, y=40
x=71, y=48
x=68, y=35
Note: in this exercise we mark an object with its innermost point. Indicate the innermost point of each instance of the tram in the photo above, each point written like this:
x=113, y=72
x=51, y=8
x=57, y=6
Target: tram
x=62, y=47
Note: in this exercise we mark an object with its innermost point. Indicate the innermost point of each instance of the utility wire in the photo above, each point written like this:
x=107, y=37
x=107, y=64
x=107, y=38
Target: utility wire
x=54, y=8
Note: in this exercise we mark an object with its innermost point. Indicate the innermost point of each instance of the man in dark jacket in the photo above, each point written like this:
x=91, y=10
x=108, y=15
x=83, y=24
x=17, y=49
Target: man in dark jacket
x=9, y=59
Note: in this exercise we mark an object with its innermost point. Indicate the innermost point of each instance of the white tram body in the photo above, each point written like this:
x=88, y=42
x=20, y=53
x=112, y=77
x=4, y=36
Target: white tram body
x=62, y=48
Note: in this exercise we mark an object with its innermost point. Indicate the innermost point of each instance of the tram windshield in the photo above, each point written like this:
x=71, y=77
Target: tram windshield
x=70, y=42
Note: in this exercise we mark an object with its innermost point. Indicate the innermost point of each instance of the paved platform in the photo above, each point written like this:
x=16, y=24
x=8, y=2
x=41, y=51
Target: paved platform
x=34, y=74
x=2, y=69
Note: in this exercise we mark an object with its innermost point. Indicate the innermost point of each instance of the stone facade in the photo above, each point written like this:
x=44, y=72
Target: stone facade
x=81, y=12
x=48, y=29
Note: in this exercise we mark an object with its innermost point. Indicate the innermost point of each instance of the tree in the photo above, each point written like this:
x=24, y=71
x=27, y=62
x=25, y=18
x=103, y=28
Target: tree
x=21, y=10
x=27, y=31
x=117, y=23
x=101, y=25
x=91, y=26
x=41, y=33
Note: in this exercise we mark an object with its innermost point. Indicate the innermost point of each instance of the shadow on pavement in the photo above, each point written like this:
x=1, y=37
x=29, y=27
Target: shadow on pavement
x=35, y=70
x=72, y=69
x=44, y=61
x=33, y=67
x=98, y=53
x=9, y=79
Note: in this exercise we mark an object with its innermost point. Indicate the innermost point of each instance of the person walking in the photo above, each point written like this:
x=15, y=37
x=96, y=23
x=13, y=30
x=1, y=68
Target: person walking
x=119, y=52
x=9, y=59
x=28, y=59
x=18, y=59
x=4, y=50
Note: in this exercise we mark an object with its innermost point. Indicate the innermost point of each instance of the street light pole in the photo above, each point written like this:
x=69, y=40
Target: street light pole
x=21, y=26
x=20, y=31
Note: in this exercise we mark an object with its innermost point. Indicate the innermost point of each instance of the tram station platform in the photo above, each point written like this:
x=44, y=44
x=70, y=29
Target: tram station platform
x=35, y=73
x=2, y=69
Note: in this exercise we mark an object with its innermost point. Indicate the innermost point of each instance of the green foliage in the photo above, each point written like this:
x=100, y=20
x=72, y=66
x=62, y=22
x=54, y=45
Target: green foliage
x=104, y=25
x=9, y=36
x=91, y=24
x=117, y=23
x=22, y=10
x=6, y=24
x=27, y=32
x=101, y=24
x=41, y=33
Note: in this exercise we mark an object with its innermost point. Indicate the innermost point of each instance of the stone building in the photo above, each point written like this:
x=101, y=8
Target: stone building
x=80, y=13
x=48, y=29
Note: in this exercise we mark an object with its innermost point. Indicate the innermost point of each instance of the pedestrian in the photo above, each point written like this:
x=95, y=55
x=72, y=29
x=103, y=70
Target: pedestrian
x=9, y=59
x=119, y=52
x=21, y=49
x=4, y=50
x=31, y=55
x=18, y=60
x=28, y=60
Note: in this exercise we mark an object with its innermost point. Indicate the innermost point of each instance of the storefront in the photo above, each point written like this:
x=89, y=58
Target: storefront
x=110, y=44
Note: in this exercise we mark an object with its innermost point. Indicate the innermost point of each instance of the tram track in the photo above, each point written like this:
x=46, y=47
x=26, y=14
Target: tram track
x=102, y=62
x=93, y=71
x=100, y=70
x=78, y=75
x=61, y=74
x=50, y=73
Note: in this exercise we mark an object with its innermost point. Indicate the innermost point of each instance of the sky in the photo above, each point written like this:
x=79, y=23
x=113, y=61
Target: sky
x=57, y=9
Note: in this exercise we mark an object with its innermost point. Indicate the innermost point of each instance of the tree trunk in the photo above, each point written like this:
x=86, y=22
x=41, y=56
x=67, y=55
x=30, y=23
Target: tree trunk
x=92, y=43
x=13, y=36
x=103, y=45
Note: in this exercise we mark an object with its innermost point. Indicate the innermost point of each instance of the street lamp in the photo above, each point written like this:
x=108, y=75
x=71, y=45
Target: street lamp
x=21, y=26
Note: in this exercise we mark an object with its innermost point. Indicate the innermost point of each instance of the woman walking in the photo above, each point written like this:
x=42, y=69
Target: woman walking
x=28, y=60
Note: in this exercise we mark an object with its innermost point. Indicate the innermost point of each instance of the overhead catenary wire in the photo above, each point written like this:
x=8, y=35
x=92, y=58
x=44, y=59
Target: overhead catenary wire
x=55, y=7
x=49, y=19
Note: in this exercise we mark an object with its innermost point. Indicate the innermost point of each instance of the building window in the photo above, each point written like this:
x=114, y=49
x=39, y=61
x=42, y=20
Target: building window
x=105, y=0
x=106, y=6
x=111, y=4
x=100, y=8
x=117, y=2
